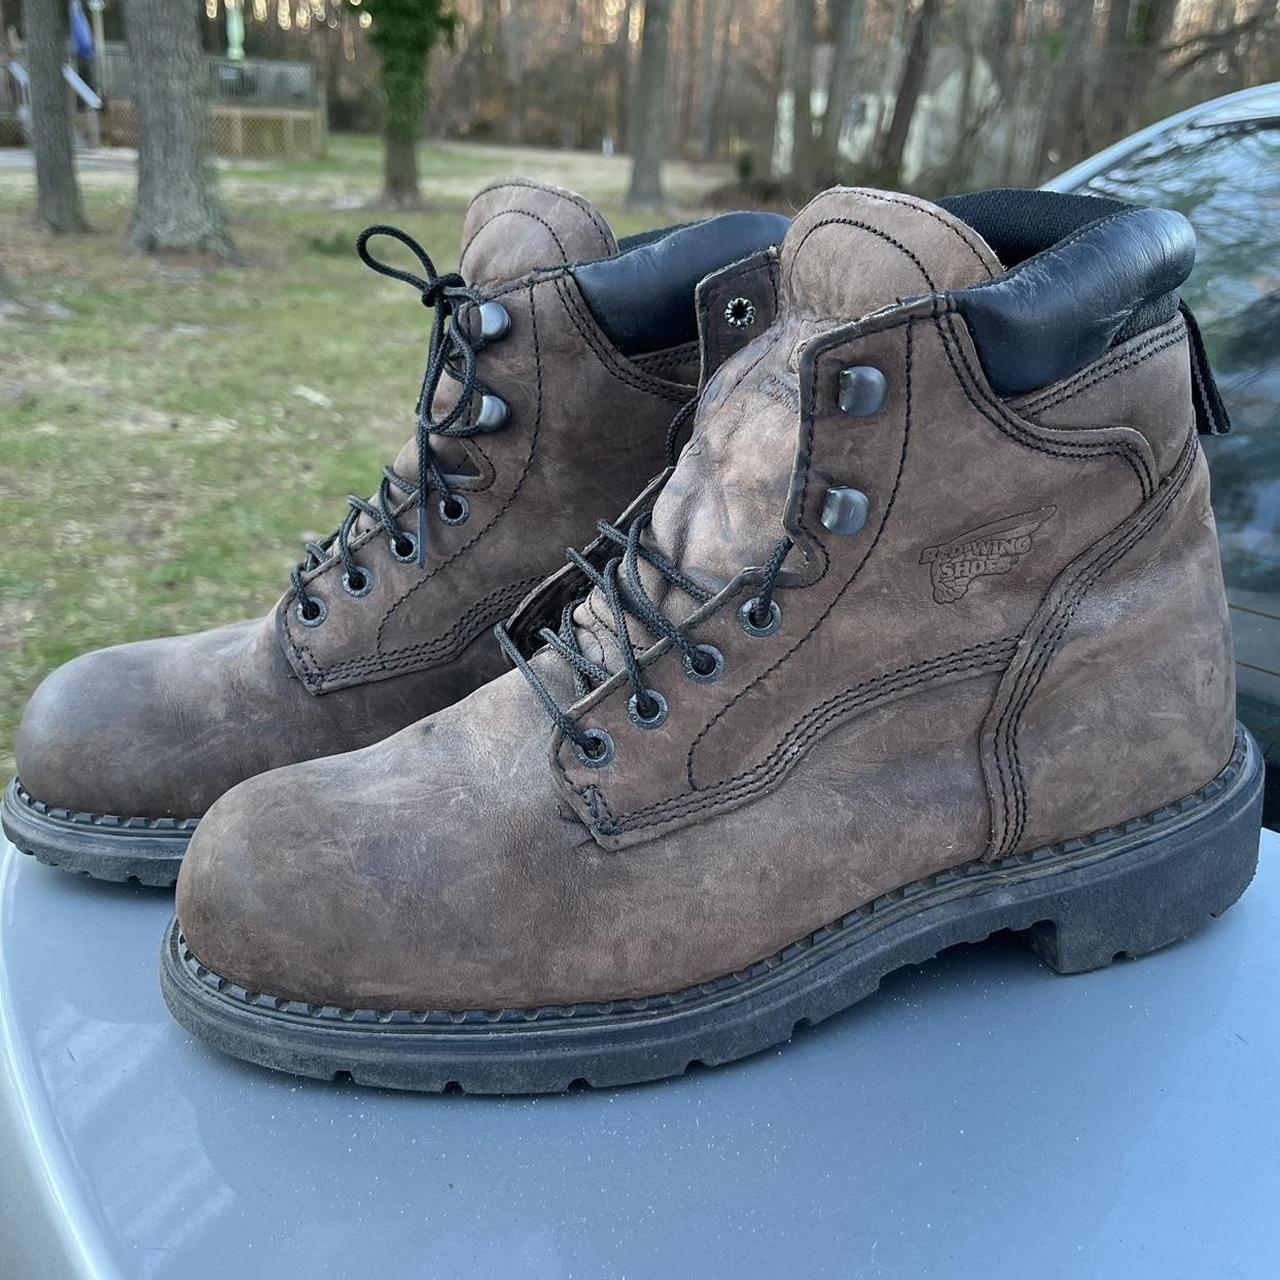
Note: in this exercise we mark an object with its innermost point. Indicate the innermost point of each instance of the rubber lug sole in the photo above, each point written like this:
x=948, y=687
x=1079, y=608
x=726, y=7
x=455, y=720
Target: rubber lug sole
x=139, y=850
x=1081, y=904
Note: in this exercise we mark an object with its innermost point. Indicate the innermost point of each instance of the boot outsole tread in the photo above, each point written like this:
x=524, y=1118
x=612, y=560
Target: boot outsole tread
x=104, y=846
x=1080, y=904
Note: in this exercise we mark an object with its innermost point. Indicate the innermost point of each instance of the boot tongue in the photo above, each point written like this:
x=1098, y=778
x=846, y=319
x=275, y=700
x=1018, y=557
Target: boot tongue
x=516, y=226
x=849, y=252
x=512, y=228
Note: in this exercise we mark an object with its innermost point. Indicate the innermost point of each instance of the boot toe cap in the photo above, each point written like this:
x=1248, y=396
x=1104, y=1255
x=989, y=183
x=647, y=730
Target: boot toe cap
x=264, y=899
x=132, y=731
x=318, y=882
x=80, y=739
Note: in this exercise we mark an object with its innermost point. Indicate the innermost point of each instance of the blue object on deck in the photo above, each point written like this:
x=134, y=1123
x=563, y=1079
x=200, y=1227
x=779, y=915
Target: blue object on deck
x=81, y=33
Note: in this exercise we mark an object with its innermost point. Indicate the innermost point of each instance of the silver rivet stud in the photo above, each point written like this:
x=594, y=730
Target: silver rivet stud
x=493, y=414
x=862, y=390
x=845, y=511
x=495, y=321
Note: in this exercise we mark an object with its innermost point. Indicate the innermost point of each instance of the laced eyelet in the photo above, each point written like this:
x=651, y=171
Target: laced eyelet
x=657, y=715
x=319, y=611
x=602, y=757
x=749, y=613
x=709, y=670
x=359, y=583
x=454, y=509
x=403, y=547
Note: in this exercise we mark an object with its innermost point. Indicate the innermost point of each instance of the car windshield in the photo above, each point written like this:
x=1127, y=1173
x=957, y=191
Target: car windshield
x=1225, y=177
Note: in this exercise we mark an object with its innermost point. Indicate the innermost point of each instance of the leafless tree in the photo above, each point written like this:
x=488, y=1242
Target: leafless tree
x=889, y=160
x=58, y=203
x=178, y=209
x=649, y=127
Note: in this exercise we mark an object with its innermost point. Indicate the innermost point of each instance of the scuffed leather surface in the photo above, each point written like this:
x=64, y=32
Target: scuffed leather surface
x=1143, y=384
x=161, y=728
x=455, y=866
x=516, y=225
x=435, y=869
x=586, y=426
x=756, y=279
x=1129, y=661
x=868, y=616
x=724, y=508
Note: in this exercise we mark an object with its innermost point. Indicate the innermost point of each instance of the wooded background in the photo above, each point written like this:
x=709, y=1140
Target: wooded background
x=940, y=93
x=927, y=95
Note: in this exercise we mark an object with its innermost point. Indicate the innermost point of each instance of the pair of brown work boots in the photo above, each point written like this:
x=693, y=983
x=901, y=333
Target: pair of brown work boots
x=921, y=635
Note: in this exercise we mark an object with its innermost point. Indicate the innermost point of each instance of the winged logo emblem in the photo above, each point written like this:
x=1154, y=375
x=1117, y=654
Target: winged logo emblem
x=987, y=551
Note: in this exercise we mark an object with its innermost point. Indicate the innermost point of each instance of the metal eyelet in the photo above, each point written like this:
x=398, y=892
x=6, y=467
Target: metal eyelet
x=740, y=313
x=454, y=509
x=315, y=619
x=747, y=617
x=650, y=721
x=713, y=673
x=363, y=584
x=403, y=547
x=605, y=754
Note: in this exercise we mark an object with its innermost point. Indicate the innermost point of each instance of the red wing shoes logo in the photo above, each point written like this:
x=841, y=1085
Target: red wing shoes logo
x=993, y=549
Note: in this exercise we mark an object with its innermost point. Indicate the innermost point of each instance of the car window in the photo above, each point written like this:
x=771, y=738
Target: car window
x=1226, y=179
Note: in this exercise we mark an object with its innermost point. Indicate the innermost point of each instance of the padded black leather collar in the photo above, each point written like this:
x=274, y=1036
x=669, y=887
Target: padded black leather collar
x=643, y=299
x=1061, y=308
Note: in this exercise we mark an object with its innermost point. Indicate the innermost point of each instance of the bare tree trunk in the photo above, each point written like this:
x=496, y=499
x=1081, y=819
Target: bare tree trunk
x=708, y=86
x=996, y=40
x=1114, y=98
x=716, y=131
x=513, y=39
x=802, y=89
x=58, y=203
x=847, y=17
x=178, y=208
x=1152, y=30
x=620, y=55
x=1062, y=138
x=687, y=49
x=892, y=71
x=573, y=79
x=889, y=162
x=650, y=125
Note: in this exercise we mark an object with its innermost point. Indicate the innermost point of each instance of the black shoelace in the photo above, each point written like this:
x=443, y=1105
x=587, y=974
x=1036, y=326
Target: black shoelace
x=450, y=353
x=619, y=583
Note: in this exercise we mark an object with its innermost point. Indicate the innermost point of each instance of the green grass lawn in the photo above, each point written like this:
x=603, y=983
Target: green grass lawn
x=170, y=433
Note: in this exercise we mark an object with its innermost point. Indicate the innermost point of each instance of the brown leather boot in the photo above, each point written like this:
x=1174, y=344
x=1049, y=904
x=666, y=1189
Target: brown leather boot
x=558, y=359
x=924, y=637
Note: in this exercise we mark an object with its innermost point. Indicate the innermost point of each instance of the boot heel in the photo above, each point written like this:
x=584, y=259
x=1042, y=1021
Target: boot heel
x=1159, y=890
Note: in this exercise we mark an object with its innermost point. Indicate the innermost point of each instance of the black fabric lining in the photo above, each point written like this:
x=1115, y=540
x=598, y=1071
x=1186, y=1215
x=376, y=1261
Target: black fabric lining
x=1018, y=223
